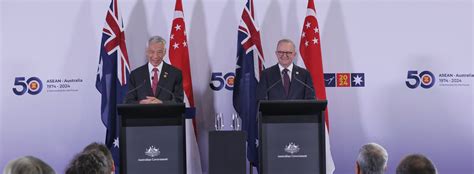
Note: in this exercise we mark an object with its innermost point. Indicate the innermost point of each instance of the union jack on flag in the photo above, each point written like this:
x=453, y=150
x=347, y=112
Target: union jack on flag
x=250, y=63
x=112, y=75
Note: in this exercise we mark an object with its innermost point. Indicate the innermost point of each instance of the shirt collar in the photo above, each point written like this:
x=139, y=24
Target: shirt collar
x=290, y=68
x=150, y=68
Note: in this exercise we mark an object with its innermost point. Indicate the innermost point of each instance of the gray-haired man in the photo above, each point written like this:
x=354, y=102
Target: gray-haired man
x=155, y=82
x=372, y=159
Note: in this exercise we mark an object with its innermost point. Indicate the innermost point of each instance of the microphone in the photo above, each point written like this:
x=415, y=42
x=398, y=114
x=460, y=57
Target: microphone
x=133, y=90
x=173, y=97
x=305, y=85
x=271, y=87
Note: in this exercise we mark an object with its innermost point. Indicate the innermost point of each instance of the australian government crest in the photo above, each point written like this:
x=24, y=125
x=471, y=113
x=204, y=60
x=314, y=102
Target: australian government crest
x=152, y=154
x=292, y=151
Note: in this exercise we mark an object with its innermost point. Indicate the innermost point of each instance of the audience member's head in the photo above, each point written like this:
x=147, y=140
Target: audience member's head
x=27, y=165
x=416, y=164
x=89, y=163
x=372, y=159
x=101, y=148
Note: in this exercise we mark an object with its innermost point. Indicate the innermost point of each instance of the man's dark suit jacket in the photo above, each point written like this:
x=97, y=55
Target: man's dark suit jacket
x=170, y=79
x=271, y=87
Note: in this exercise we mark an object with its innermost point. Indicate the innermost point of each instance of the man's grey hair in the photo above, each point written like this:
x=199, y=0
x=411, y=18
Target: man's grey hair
x=416, y=164
x=287, y=41
x=156, y=39
x=28, y=165
x=372, y=159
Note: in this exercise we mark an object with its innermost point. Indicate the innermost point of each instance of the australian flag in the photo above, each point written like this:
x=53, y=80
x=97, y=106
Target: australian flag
x=249, y=66
x=112, y=76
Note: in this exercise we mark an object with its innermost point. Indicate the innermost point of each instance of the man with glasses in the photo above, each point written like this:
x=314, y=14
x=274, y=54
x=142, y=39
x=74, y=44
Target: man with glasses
x=155, y=82
x=285, y=80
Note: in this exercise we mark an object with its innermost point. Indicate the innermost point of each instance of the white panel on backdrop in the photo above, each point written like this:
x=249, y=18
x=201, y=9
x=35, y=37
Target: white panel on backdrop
x=1, y=77
x=472, y=70
x=57, y=43
x=385, y=40
x=381, y=40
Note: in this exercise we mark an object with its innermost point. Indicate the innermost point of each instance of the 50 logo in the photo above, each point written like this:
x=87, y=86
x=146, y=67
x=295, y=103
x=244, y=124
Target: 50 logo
x=220, y=81
x=33, y=85
x=425, y=79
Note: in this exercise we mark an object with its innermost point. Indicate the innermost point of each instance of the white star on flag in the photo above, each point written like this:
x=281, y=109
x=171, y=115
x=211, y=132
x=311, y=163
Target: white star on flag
x=184, y=44
x=99, y=69
x=306, y=43
x=177, y=27
x=175, y=45
x=116, y=142
x=316, y=30
x=357, y=80
x=172, y=37
x=315, y=41
x=303, y=35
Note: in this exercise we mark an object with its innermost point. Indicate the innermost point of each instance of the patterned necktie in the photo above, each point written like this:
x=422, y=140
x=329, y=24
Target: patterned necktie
x=154, y=82
x=286, y=81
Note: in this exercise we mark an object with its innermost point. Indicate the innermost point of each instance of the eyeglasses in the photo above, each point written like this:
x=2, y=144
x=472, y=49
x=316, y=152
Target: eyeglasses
x=281, y=53
x=156, y=51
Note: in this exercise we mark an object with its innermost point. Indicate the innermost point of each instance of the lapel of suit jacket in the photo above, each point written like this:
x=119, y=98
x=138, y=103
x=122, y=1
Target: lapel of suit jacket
x=163, y=79
x=278, y=77
x=293, y=81
x=147, y=76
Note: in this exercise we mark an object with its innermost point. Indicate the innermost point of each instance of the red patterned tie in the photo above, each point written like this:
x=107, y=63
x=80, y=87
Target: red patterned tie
x=154, y=83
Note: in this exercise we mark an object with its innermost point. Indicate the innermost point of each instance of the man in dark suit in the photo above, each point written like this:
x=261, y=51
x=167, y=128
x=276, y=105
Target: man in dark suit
x=285, y=80
x=155, y=82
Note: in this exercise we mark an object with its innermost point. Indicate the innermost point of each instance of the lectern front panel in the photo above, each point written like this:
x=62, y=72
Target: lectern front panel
x=291, y=147
x=154, y=148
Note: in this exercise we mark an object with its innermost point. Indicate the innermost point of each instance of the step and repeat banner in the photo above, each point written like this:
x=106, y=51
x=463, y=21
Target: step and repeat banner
x=399, y=73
